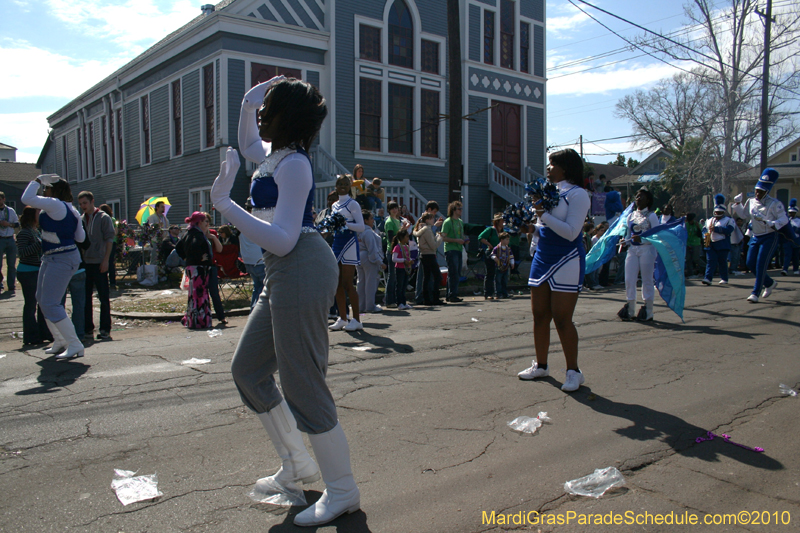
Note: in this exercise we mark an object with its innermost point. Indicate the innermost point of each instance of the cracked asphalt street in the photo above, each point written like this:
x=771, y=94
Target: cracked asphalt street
x=424, y=398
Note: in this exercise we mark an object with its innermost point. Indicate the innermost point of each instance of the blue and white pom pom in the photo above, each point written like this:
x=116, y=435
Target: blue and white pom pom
x=517, y=215
x=333, y=223
x=544, y=189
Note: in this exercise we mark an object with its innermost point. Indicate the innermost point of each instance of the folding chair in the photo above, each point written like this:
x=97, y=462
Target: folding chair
x=232, y=281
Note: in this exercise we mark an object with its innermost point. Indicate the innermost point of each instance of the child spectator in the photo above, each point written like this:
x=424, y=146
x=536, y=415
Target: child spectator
x=376, y=195
x=371, y=254
x=504, y=259
x=401, y=257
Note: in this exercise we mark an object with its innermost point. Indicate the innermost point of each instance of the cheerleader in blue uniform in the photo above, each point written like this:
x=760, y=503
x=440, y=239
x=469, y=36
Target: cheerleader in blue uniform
x=287, y=328
x=767, y=216
x=345, y=248
x=721, y=227
x=791, y=252
x=558, y=267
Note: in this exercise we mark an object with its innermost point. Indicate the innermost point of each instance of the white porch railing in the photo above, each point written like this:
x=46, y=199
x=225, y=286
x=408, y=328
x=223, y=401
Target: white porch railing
x=531, y=175
x=504, y=185
x=399, y=191
x=326, y=167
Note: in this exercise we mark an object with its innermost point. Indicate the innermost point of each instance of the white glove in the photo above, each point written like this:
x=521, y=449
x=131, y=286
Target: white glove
x=254, y=98
x=48, y=179
x=738, y=198
x=221, y=190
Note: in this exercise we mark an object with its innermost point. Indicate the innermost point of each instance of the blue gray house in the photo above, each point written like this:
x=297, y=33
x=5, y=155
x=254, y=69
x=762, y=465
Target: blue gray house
x=160, y=125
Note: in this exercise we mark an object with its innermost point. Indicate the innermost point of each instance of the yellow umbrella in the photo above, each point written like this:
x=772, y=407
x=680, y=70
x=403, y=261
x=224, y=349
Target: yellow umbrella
x=149, y=208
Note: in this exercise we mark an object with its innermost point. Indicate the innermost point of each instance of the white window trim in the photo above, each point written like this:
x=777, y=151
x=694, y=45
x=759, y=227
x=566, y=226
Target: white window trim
x=172, y=154
x=141, y=128
x=203, y=65
x=206, y=209
x=111, y=205
x=384, y=154
x=118, y=158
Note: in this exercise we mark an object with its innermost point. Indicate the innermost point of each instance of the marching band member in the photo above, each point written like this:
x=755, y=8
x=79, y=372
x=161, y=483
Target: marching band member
x=718, y=232
x=766, y=216
x=641, y=258
x=791, y=253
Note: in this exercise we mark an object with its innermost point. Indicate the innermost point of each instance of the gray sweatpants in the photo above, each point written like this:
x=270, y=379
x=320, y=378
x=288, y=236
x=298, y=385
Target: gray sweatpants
x=51, y=285
x=367, y=285
x=287, y=332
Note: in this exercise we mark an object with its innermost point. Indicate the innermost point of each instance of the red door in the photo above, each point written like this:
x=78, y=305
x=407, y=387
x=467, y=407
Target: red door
x=506, y=137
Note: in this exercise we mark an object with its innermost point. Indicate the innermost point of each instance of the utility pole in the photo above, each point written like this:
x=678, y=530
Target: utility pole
x=581, y=141
x=455, y=158
x=767, y=16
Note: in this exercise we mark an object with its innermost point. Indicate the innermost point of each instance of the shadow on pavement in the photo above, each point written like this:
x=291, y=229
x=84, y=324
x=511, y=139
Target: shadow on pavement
x=347, y=523
x=56, y=374
x=649, y=424
x=383, y=345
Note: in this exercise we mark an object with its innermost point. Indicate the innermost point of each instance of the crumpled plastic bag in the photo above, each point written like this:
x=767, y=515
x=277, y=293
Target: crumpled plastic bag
x=267, y=490
x=196, y=361
x=526, y=424
x=597, y=483
x=214, y=333
x=132, y=489
x=787, y=390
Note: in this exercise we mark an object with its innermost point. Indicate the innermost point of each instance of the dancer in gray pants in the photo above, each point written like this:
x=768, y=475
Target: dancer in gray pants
x=287, y=329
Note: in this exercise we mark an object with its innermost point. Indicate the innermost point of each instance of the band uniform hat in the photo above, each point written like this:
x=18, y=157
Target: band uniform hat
x=767, y=179
x=793, y=205
x=719, y=203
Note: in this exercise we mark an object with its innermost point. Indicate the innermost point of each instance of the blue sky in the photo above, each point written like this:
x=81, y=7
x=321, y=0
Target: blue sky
x=53, y=50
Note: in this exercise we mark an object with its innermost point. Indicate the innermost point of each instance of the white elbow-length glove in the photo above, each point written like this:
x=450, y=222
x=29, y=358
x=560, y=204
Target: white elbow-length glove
x=221, y=190
x=48, y=179
x=254, y=98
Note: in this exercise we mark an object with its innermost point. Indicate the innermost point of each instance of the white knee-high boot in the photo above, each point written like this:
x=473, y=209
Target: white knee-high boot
x=341, y=493
x=298, y=466
x=59, y=344
x=74, y=345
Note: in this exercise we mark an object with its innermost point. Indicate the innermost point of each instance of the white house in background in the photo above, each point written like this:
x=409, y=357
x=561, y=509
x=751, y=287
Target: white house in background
x=7, y=153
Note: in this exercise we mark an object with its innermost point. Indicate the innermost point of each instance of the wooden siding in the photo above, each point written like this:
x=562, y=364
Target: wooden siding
x=478, y=154
x=190, y=97
x=131, y=135
x=538, y=51
x=475, y=37
x=159, y=124
x=237, y=86
x=536, y=139
x=72, y=154
x=532, y=9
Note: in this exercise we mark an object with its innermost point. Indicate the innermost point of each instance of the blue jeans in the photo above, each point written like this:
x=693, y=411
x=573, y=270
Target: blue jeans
x=77, y=294
x=257, y=273
x=34, y=328
x=402, y=281
x=8, y=248
x=791, y=256
x=489, y=280
x=714, y=259
x=736, y=252
x=99, y=280
x=454, y=260
x=501, y=283
x=761, y=250
x=373, y=203
x=213, y=292
x=391, y=284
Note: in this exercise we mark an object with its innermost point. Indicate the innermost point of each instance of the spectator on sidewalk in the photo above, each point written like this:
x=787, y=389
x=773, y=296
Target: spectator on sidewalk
x=454, y=240
x=489, y=238
x=29, y=251
x=100, y=233
x=428, y=245
x=504, y=261
x=371, y=253
x=375, y=195
x=8, y=248
x=112, y=260
x=436, y=224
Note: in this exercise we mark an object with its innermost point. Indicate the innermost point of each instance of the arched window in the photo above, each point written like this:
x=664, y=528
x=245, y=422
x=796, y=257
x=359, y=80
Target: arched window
x=401, y=36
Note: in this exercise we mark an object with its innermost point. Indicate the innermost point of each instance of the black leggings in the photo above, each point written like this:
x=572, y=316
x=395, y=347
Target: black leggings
x=432, y=278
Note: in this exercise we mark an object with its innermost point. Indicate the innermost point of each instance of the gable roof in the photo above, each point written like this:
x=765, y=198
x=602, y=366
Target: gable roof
x=12, y=172
x=7, y=147
x=610, y=171
x=661, y=152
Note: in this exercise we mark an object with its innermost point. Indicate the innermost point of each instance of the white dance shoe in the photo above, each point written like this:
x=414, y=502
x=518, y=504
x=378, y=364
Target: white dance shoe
x=341, y=493
x=338, y=325
x=768, y=290
x=533, y=372
x=297, y=465
x=354, y=325
x=74, y=345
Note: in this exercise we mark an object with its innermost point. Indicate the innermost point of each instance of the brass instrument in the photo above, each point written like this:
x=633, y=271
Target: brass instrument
x=707, y=236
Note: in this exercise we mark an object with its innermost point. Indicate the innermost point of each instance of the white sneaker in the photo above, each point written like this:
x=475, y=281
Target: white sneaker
x=338, y=325
x=533, y=372
x=723, y=282
x=752, y=299
x=573, y=382
x=353, y=325
x=377, y=309
x=768, y=290
x=738, y=273
x=597, y=288
x=404, y=307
